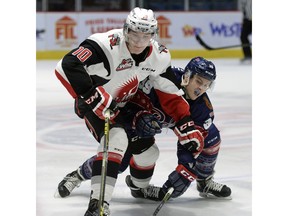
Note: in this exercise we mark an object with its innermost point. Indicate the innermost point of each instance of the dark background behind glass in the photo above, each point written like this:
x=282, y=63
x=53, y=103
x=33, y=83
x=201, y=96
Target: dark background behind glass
x=124, y=5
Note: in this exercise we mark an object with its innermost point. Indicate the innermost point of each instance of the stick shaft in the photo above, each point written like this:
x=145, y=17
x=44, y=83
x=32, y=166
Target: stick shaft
x=206, y=46
x=164, y=200
x=104, y=162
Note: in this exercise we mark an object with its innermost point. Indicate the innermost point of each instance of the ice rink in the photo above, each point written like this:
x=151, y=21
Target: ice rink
x=63, y=143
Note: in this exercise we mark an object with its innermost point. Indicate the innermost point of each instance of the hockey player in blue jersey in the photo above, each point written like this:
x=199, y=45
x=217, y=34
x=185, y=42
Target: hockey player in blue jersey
x=144, y=118
x=197, y=77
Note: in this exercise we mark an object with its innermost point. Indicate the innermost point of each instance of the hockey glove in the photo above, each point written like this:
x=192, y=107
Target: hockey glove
x=202, y=130
x=80, y=107
x=146, y=124
x=99, y=101
x=180, y=180
x=191, y=138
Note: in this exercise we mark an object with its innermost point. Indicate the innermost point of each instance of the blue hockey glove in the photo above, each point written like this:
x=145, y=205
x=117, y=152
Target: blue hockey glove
x=180, y=179
x=146, y=124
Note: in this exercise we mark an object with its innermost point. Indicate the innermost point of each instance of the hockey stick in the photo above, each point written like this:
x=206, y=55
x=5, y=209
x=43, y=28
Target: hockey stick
x=163, y=201
x=104, y=162
x=199, y=39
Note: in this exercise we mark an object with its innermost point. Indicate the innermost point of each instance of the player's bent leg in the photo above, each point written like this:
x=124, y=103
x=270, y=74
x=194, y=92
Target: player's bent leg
x=85, y=170
x=205, y=164
x=141, y=168
x=118, y=143
x=206, y=186
x=206, y=161
x=83, y=173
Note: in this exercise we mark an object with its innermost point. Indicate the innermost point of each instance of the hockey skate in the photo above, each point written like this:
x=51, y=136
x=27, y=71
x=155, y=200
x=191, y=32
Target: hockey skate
x=67, y=185
x=93, y=209
x=151, y=192
x=210, y=189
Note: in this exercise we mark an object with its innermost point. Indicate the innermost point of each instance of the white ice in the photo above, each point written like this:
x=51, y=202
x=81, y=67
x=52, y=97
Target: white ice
x=63, y=143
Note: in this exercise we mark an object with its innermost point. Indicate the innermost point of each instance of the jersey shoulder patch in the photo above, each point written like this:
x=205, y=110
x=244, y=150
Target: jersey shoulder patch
x=207, y=102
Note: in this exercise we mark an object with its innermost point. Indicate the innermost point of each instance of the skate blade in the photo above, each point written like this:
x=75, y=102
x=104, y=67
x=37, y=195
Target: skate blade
x=57, y=195
x=211, y=196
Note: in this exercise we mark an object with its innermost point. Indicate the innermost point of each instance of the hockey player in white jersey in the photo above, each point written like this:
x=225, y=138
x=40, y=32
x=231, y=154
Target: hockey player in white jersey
x=104, y=73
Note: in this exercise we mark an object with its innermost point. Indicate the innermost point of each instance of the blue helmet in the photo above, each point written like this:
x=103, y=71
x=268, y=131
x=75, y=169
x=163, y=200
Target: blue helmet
x=178, y=71
x=201, y=67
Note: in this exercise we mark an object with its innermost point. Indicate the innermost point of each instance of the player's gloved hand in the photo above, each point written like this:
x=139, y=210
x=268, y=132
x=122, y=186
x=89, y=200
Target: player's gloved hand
x=98, y=100
x=202, y=130
x=146, y=124
x=80, y=107
x=180, y=179
x=188, y=136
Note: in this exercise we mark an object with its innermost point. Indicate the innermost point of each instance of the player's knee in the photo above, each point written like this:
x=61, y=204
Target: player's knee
x=118, y=141
x=142, y=166
x=212, y=142
x=140, y=145
x=153, y=152
x=148, y=157
x=85, y=170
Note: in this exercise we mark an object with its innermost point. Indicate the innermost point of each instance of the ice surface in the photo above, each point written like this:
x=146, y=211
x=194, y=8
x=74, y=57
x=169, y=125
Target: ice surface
x=63, y=143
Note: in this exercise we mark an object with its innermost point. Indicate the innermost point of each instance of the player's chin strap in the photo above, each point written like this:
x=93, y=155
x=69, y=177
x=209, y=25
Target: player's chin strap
x=104, y=162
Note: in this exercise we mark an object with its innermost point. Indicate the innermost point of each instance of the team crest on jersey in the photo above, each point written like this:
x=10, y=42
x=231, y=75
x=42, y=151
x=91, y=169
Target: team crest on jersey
x=125, y=64
x=127, y=90
x=159, y=114
x=114, y=40
x=162, y=48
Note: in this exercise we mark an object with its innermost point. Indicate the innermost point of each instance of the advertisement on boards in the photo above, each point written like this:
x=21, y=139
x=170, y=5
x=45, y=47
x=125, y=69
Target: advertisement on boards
x=177, y=30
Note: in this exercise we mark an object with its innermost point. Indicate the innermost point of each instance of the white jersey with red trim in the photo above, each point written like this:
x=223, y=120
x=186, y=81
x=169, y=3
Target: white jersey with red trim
x=104, y=59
